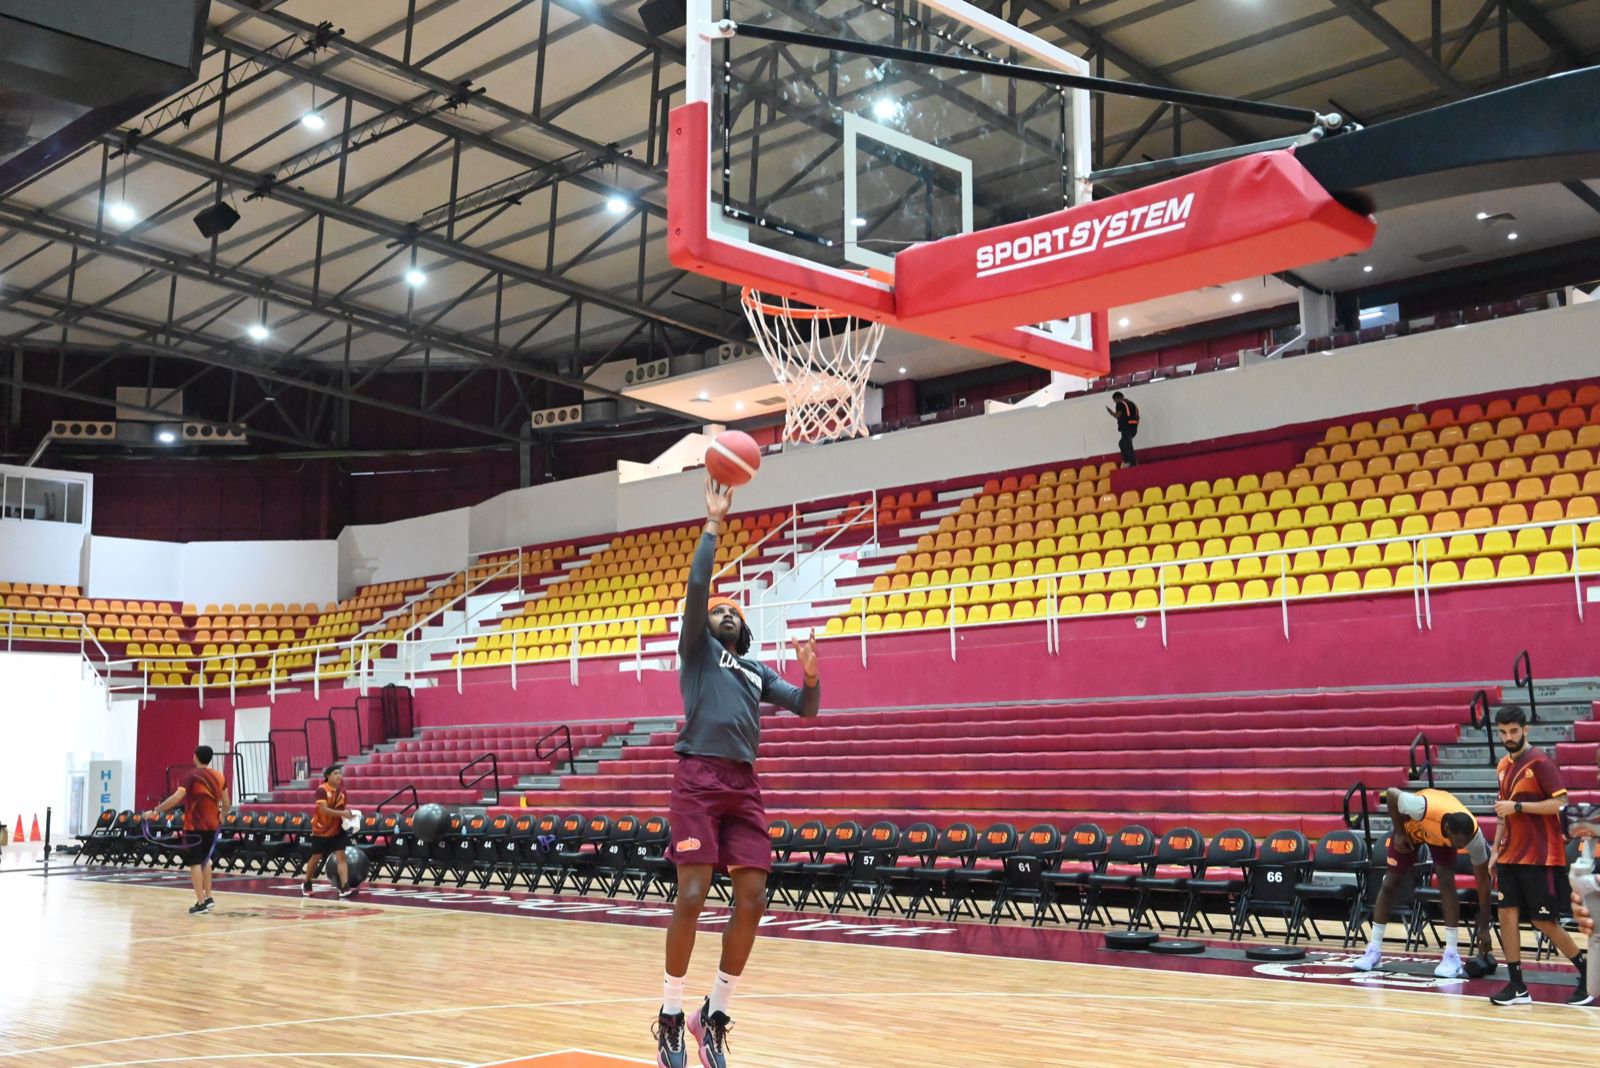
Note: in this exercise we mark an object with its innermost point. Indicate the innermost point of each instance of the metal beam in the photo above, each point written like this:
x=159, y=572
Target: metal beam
x=1398, y=43
x=1561, y=49
x=405, y=234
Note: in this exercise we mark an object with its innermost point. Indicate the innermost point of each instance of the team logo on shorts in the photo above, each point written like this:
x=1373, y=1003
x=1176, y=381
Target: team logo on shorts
x=688, y=845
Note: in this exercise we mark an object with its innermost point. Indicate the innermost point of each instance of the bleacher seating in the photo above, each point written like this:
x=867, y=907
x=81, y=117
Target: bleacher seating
x=1312, y=531
x=1260, y=763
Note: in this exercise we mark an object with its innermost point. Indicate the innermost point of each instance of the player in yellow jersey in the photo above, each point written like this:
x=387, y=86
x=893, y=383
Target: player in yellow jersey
x=1434, y=818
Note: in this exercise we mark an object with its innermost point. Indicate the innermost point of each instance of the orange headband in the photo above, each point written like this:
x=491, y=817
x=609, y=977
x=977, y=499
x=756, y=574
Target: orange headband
x=729, y=601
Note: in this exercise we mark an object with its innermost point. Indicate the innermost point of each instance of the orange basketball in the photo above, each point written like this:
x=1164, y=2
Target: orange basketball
x=733, y=458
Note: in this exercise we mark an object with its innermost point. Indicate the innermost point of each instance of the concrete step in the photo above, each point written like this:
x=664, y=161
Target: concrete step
x=654, y=726
x=630, y=739
x=1464, y=776
x=539, y=782
x=1555, y=711
x=600, y=752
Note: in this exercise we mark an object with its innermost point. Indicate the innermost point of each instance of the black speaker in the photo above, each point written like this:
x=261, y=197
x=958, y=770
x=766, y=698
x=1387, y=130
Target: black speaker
x=661, y=17
x=217, y=219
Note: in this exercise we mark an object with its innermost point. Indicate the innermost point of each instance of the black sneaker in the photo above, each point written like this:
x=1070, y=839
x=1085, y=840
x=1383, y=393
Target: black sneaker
x=1512, y=994
x=710, y=1029
x=210, y=904
x=306, y=889
x=1581, y=995
x=668, y=1031
x=348, y=891
x=198, y=907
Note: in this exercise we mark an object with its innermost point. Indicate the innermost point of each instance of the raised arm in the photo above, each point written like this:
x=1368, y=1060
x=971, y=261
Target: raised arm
x=804, y=701
x=692, y=632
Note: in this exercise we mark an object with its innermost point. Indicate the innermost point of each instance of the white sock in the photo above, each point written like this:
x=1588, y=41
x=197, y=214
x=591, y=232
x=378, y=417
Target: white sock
x=1452, y=940
x=672, y=993
x=1377, y=937
x=722, y=991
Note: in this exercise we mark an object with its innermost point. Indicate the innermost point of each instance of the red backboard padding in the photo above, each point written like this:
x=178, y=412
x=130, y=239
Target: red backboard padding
x=1248, y=217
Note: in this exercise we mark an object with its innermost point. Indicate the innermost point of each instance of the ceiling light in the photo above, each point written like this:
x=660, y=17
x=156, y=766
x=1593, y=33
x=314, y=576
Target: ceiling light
x=415, y=277
x=902, y=370
x=1512, y=236
x=703, y=396
x=1367, y=269
x=258, y=332
x=616, y=204
x=1237, y=298
x=1482, y=215
x=858, y=221
x=312, y=120
x=166, y=437
x=1124, y=322
x=122, y=213
x=738, y=406
x=885, y=108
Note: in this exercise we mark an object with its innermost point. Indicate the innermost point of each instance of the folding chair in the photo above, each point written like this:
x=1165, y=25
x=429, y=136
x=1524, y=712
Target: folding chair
x=1038, y=850
x=649, y=866
x=916, y=849
x=792, y=848
x=984, y=876
x=1223, y=875
x=613, y=856
x=956, y=848
x=572, y=834
x=858, y=880
x=1335, y=887
x=1083, y=853
x=1280, y=864
x=1179, y=858
x=1129, y=855
x=92, y=845
x=837, y=852
x=464, y=849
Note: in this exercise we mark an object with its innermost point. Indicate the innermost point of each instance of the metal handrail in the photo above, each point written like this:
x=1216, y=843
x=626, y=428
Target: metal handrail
x=564, y=741
x=1363, y=822
x=792, y=519
x=407, y=788
x=1415, y=770
x=1478, y=716
x=463, y=595
x=493, y=772
x=1522, y=675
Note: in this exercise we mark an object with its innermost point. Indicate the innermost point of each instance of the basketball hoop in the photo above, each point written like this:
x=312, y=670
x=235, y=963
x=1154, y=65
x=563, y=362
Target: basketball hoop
x=823, y=360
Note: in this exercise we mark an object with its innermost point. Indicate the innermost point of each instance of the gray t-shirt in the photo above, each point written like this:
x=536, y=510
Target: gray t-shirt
x=722, y=693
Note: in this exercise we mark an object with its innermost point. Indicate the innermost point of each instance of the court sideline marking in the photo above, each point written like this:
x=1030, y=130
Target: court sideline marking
x=263, y=1056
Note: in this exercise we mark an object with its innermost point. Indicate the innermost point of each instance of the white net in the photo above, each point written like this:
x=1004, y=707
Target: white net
x=823, y=361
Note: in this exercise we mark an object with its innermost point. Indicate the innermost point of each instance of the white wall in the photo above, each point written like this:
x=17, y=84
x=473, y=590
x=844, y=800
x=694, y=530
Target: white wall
x=33, y=551
x=260, y=572
x=554, y=512
x=382, y=552
x=216, y=572
x=52, y=721
x=132, y=567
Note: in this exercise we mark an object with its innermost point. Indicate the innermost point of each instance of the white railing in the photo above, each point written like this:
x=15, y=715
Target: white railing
x=1571, y=537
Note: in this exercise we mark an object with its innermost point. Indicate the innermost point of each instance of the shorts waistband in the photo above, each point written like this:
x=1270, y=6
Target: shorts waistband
x=738, y=765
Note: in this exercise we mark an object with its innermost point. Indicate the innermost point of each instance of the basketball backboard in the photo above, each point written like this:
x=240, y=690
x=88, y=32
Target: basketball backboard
x=803, y=167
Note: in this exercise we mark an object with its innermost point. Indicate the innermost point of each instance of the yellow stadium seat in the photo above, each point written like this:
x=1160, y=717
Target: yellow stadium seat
x=1551, y=563
x=1314, y=585
x=1513, y=566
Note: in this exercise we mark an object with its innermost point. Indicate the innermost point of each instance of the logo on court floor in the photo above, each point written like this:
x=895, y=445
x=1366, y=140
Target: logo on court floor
x=1340, y=967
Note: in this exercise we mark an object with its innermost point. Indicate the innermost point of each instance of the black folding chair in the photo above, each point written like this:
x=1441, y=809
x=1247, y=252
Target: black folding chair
x=982, y=880
x=835, y=857
x=1223, y=877
x=1129, y=855
x=1038, y=850
x=1178, y=859
x=1334, y=887
x=1083, y=853
x=890, y=878
x=1280, y=864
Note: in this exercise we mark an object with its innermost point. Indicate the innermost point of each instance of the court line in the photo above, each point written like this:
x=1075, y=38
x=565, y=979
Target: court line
x=1279, y=1003
x=285, y=925
x=262, y=1056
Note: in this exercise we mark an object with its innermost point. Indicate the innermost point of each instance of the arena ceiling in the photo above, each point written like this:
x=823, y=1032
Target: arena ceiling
x=485, y=194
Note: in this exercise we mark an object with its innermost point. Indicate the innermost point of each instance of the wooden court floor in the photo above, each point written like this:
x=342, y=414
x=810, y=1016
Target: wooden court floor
x=104, y=974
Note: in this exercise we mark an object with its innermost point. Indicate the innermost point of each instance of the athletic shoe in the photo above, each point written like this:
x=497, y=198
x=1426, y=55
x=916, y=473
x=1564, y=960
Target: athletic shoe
x=710, y=1029
x=199, y=907
x=1368, y=961
x=348, y=891
x=210, y=904
x=306, y=889
x=1450, y=966
x=1512, y=994
x=1581, y=995
x=668, y=1032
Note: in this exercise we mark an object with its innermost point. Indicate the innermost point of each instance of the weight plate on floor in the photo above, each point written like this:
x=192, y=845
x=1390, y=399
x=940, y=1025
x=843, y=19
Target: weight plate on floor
x=1275, y=953
x=1130, y=939
x=1176, y=945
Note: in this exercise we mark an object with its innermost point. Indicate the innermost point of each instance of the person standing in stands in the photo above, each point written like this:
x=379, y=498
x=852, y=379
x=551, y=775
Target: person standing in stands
x=203, y=793
x=1436, y=819
x=716, y=811
x=1127, y=416
x=1530, y=855
x=328, y=838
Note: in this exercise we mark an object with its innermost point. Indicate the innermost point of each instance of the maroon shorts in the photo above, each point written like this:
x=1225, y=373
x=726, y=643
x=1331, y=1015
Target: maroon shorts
x=717, y=815
x=1402, y=861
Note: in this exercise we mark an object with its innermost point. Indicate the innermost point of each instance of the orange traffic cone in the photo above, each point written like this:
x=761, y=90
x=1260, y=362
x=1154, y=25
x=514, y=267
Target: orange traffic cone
x=34, y=835
x=17, y=836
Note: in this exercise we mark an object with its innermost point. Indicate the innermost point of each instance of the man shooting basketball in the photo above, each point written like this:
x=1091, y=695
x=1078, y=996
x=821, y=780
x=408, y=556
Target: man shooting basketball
x=1436, y=819
x=718, y=819
x=203, y=793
